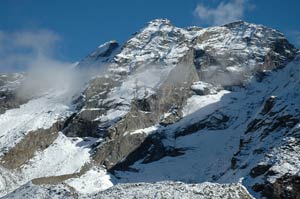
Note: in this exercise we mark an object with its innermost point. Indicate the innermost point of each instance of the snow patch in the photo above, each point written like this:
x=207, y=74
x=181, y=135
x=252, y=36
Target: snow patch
x=94, y=180
x=64, y=156
x=197, y=102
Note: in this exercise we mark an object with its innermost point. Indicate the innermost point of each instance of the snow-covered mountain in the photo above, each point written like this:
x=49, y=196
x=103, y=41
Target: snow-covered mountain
x=195, y=105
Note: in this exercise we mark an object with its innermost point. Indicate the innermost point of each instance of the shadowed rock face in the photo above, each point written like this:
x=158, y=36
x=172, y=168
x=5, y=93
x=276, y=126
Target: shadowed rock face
x=288, y=186
x=104, y=53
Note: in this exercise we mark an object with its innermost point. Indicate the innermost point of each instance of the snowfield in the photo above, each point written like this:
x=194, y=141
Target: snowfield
x=64, y=156
x=41, y=112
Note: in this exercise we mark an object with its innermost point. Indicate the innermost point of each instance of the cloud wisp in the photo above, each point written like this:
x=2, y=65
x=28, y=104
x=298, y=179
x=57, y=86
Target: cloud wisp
x=224, y=13
x=34, y=53
x=18, y=50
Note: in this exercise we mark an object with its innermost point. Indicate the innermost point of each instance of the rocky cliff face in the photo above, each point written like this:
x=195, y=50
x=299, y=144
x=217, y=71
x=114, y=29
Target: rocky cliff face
x=191, y=104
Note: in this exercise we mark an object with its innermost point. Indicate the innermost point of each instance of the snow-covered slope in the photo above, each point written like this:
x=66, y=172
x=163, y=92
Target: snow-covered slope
x=242, y=136
x=216, y=104
x=37, y=113
x=31, y=146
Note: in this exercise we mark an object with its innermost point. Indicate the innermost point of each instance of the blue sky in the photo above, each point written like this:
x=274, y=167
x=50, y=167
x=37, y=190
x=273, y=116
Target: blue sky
x=79, y=26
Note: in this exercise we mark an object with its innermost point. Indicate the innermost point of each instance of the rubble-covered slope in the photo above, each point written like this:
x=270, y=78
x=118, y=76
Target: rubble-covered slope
x=141, y=190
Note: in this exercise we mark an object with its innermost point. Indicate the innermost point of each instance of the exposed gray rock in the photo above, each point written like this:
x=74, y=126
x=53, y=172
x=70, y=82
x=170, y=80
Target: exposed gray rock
x=203, y=88
x=9, y=85
x=287, y=186
x=103, y=54
x=172, y=93
x=25, y=149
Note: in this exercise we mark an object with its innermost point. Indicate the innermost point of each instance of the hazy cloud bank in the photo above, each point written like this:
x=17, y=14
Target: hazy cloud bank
x=34, y=52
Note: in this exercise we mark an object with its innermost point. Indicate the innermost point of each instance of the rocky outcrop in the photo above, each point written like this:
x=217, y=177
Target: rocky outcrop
x=9, y=98
x=287, y=186
x=56, y=180
x=91, y=106
x=34, y=141
x=103, y=54
x=202, y=88
x=172, y=93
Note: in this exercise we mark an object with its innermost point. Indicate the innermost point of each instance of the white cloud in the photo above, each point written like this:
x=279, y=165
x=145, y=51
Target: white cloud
x=224, y=13
x=33, y=52
x=42, y=41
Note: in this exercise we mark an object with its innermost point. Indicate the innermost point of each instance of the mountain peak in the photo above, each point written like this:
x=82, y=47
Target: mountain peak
x=106, y=44
x=168, y=104
x=157, y=25
x=243, y=25
x=103, y=53
x=160, y=21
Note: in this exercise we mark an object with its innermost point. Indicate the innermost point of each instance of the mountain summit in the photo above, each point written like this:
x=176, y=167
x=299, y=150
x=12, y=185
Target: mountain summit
x=215, y=108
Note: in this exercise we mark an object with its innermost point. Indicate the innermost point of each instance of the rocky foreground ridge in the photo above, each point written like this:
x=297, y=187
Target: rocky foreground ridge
x=217, y=104
x=138, y=190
